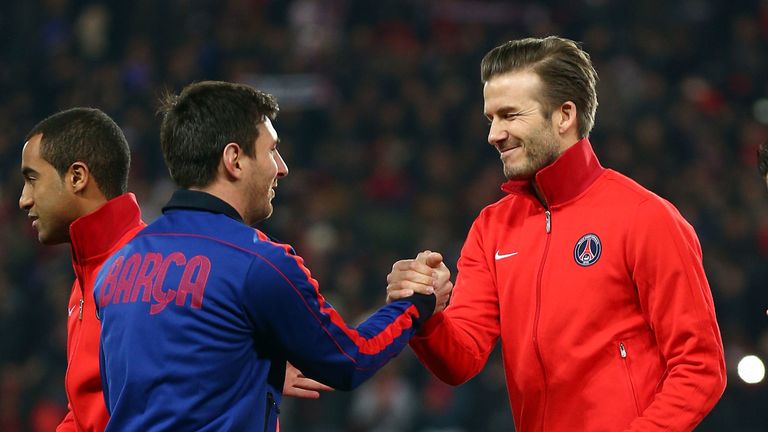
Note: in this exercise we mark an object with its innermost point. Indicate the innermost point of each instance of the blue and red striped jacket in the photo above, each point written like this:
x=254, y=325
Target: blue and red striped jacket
x=200, y=312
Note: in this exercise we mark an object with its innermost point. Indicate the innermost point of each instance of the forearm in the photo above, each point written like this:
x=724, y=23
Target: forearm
x=683, y=402
x=344, y=357
x=449, y=353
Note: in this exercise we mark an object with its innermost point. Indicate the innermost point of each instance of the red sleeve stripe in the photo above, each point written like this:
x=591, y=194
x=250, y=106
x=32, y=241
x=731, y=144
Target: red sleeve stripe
x=370, y=346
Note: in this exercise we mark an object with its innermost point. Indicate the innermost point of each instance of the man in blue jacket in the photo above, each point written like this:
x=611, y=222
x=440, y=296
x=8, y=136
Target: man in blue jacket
x=200, y=312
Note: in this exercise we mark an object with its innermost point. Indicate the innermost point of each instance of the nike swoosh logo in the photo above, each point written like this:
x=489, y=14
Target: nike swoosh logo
x=69, y=311
x=502, y=256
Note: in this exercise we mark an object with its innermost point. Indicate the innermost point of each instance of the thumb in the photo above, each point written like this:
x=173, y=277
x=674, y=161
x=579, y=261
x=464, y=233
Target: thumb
x=434, y=259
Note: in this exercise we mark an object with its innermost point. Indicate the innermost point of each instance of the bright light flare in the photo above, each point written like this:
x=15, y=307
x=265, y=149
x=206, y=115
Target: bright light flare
x=751, y=369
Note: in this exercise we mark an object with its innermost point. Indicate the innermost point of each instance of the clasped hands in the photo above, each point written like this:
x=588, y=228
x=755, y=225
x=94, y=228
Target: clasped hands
x=426, y=274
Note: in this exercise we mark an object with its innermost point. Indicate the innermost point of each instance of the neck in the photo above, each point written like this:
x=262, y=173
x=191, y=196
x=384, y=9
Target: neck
x=91, y=202
x=539, y=194
x=226, y=193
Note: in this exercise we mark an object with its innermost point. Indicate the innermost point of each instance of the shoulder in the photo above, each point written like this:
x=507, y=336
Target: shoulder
x=648, y=212
x=503, y=205
x=627, y=191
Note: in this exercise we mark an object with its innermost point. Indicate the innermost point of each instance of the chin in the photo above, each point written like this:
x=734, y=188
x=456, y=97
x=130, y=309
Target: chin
x=48, y=241
x=517, y=175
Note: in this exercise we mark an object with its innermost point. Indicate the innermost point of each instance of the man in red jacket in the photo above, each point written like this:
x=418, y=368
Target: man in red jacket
x=75, y=165
x=594, y=284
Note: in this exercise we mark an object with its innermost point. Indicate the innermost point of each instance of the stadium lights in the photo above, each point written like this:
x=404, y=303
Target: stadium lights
x=751, y=369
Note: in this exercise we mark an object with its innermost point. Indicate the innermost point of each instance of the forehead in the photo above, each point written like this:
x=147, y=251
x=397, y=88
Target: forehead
x=31, y=151
x=518, y=89
x=267, y=132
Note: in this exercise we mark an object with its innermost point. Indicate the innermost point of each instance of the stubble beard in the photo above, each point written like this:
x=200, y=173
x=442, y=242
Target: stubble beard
x=540, y=149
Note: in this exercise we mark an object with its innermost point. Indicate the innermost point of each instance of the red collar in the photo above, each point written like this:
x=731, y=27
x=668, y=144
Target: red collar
x=565, y=179
x=97, y=232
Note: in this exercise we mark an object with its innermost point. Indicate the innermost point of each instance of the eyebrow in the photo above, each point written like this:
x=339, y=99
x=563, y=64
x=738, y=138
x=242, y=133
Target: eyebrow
x=503, y=109
x=26, y=171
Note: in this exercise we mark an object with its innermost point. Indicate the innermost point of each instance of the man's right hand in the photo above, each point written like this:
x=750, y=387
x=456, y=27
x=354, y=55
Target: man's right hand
x=426, y=274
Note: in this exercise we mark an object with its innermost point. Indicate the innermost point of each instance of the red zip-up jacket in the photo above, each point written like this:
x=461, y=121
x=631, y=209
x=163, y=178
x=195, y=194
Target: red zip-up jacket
x=600, y=300
x=94, y=237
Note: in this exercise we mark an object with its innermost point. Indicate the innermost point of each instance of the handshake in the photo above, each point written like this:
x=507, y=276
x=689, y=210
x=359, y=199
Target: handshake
x=427, y=274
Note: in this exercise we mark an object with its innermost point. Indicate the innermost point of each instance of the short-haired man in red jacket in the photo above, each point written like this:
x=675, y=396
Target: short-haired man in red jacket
x=594, y=284
x=75, y=166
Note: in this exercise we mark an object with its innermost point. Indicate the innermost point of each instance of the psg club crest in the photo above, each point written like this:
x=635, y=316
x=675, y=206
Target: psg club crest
x=587, y=250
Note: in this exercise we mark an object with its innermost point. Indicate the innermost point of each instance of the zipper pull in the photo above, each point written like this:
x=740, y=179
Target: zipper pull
x=80, y=315
x=548, y=214
x=622, y=350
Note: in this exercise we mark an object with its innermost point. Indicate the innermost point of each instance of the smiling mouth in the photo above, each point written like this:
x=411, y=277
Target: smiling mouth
x=508, y=149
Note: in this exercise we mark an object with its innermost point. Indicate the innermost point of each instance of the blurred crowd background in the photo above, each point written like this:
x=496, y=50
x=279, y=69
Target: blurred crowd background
x=383, y=132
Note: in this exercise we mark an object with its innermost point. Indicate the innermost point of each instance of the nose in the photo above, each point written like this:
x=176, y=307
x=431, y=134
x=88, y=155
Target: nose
x=496, y=134
x=25, y=200
x=282, y=167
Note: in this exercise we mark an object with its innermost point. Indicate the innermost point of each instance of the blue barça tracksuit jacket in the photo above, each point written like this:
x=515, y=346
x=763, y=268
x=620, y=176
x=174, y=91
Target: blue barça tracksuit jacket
x=200, y=313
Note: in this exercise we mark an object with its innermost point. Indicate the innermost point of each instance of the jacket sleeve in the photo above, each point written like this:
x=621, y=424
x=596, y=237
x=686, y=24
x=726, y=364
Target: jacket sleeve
x=665, y=260
x=68, y=423
x=285, y=305
x=455, y=344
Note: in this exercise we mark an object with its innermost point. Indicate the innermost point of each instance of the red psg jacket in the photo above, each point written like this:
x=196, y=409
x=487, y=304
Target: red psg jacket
x=600, y=300
x=94, y=237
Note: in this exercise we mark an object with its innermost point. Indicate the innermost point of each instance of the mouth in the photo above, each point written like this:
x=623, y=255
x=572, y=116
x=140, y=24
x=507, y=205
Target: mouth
x=34, y=220
x=508, y=149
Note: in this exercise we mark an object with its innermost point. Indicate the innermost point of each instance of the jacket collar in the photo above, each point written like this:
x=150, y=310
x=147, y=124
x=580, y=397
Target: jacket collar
x=97, y=232
x=565, y=178
x=199, y=200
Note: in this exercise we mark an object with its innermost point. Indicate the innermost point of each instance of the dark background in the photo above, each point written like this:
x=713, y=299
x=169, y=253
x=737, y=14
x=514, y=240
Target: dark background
x=382, y=129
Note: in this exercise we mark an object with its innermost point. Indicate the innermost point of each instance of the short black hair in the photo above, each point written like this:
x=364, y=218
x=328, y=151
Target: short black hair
x=205, y=117
x=762, y=159
x=90, y=136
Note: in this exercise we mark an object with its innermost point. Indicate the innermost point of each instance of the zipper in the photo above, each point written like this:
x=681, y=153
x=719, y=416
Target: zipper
x=548, y=227
x=623, y=354
x=270, y=404
x=77, y=332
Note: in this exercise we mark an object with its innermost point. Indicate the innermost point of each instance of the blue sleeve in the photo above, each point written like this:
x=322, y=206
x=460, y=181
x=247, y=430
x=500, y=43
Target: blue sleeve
x=104, y=379
x=285, y=304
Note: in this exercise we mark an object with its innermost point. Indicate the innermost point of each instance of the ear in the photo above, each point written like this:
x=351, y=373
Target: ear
x=564, y=118
x=78, y=177
x=232, y=160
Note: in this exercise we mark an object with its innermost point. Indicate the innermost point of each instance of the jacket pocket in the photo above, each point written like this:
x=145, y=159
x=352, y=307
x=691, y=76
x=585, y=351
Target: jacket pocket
x=625, y=360
x=271, y=407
